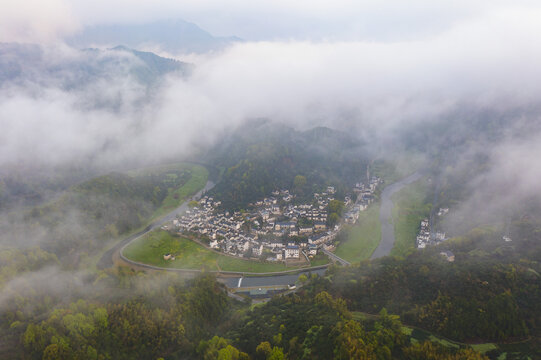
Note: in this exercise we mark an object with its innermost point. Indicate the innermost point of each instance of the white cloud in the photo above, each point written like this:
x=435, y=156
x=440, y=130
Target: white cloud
x=35, y=20
x=340, y=20
x=487, y=61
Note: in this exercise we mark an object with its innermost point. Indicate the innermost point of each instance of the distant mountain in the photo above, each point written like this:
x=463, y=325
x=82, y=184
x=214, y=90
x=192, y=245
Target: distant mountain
x=22, y=63
x=177, y=36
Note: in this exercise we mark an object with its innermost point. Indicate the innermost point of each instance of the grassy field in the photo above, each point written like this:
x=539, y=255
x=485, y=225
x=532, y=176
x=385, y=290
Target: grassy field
x=362, y=238
x=319, y=259
x=402, y=165
x=410, y=207
x=198, y=179
x=190, y=255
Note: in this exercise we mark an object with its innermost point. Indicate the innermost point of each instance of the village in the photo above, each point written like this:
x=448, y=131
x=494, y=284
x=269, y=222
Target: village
x=426, y=237
x=275, y=228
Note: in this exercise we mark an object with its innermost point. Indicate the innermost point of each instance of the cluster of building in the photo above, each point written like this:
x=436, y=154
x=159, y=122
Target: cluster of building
x=425, y=237
x=275, y=228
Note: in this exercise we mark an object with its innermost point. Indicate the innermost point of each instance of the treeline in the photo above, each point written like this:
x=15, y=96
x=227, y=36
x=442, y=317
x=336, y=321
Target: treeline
x=155, y=321
x=303, y=326
x=490, y=292
x=15, y=261
x=105, y=207
x=135, y=316
x=263, y=156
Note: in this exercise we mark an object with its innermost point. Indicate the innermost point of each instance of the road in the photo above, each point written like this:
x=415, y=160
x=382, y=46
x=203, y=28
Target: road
x=106, y=260
x=385, y=215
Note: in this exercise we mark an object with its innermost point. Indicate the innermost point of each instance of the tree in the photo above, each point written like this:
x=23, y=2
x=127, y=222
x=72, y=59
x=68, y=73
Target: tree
x=336, y=206
x=350, y=341
x=333, y=219
x=219, y=348
x=276, y=354
x=299, y=183
x=263, y=350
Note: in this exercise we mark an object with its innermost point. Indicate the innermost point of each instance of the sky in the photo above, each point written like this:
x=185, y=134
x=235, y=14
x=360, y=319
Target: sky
x=340, y=20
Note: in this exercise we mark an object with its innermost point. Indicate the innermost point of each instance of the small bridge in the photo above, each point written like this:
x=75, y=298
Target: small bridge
x=335, y=258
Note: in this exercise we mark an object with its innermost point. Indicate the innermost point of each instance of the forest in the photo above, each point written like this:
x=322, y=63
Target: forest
x=367, y=311
x=79, y=222
x=489, y=293
x=153, y=316
x=263, y=156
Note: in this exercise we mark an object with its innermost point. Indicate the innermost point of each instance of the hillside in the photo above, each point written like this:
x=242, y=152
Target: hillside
x=262, y=156
x=82, y=220
x=22, y=63
x=488, y=293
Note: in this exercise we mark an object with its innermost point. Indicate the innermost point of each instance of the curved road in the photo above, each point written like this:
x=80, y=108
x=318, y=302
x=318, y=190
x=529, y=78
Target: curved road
x=384, y=248
x=385, y=215
x=106, y=260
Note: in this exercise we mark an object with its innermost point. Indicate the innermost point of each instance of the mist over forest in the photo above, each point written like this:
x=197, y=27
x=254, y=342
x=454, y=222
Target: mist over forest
x=120, y=118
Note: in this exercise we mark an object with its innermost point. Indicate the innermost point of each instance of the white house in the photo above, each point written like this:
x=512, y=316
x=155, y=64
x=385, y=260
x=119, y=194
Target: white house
x=292, y=251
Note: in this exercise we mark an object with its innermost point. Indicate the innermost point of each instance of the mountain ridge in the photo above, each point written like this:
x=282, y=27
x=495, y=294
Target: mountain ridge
x=172, y=35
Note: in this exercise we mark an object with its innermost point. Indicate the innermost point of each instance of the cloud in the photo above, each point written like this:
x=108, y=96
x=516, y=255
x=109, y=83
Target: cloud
x=344, y=20
x=35, y=20
x=341, y=20
x=382, y=86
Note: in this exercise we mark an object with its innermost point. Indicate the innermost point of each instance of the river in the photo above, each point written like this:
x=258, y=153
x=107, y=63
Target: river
x=384, y=248
x=385, y=215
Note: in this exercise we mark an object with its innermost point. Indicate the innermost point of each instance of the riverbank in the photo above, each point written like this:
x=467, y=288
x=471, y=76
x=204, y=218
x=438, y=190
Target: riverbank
x=385, y=215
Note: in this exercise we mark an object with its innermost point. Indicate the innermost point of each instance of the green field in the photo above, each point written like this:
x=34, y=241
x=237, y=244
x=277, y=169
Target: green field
x=319, y=259
x=190, y=255
x=175, y=197
x=360, y=240
x=198, y=179
x=402, y=165
x=410, y=207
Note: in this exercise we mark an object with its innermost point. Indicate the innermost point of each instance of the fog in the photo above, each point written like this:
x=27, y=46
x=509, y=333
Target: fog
x=440, y=85
x=489, y=61
x=54, y=111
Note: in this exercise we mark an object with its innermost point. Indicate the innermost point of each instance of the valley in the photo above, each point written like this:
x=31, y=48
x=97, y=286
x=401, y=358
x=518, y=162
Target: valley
x=272, y=181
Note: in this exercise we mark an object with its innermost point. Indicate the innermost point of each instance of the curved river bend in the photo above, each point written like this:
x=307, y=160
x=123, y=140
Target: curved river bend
x=384, y=248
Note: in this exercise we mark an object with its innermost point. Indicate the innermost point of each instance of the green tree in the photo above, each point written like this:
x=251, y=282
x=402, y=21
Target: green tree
x=276, y=354
x=299, y=184
x=263, y=350
x=350, y=341
x=336, y=206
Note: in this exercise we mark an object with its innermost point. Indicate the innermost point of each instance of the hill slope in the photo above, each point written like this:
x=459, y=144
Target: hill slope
x=264, y=156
